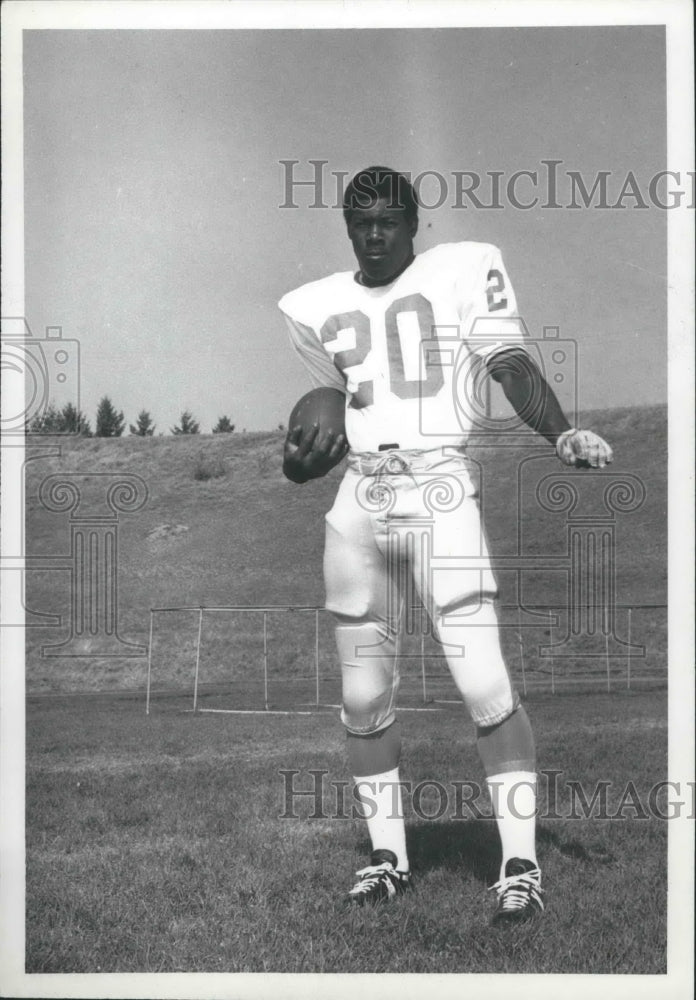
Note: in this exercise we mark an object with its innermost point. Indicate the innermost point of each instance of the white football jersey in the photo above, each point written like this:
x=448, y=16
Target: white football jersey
x=406, y=353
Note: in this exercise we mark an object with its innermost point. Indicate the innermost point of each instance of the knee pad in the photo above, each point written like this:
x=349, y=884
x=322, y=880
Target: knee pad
x=368, y=651
x=471, y=644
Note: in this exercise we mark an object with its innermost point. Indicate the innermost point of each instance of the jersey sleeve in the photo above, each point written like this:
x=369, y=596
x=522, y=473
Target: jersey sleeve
x=494, y=322
x=321, y=369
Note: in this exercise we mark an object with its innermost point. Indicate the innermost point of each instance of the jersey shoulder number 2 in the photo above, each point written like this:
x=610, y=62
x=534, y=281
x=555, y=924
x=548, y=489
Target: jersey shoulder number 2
x=495, y=290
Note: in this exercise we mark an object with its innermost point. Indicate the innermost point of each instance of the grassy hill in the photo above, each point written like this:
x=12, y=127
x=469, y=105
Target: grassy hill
x=222, y=526
x=159, y=844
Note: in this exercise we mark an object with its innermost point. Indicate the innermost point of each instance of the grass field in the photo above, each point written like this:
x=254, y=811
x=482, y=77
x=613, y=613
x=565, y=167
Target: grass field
x=155, y=844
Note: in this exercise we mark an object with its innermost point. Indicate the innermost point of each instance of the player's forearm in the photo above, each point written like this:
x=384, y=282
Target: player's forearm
x=533, y=399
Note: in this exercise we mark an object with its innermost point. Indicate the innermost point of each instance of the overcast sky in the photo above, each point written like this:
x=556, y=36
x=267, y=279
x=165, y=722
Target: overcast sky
x=153, y=183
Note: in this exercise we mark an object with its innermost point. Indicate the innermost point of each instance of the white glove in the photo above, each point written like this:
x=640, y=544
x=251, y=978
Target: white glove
x=575, y=447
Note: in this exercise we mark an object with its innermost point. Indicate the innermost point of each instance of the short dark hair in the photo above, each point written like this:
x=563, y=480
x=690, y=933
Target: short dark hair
x=380, y=182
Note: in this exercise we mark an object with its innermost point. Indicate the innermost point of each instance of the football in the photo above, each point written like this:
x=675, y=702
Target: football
x=323, y=406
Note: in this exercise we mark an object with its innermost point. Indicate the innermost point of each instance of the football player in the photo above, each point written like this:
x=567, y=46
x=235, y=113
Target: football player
x=374, y=334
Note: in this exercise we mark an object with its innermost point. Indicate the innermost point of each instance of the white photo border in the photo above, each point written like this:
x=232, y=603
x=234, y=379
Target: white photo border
x=676, y=16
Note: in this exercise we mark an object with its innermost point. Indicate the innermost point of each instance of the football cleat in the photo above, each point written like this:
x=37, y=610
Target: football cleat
x=518, y=893
x=380, y=881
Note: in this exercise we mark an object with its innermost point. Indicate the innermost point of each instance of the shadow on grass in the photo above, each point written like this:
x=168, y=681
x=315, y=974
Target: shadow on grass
x=573, y=848
x=473, y=846
x=470, y=845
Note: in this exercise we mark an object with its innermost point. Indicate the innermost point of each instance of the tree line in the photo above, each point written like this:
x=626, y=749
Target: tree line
x=111, y=422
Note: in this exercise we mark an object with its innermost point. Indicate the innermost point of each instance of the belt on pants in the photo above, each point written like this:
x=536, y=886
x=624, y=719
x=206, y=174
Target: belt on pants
x=396, y=463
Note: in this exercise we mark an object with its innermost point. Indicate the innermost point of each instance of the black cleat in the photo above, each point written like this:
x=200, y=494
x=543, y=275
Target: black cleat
x=519, y=893
x=380, y=881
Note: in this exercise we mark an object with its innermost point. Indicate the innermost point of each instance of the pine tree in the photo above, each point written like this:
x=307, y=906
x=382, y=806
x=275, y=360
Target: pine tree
x=144, y=427
x=223, y=426
x=47, y=422
x=187, y=425
x=110, y=423
x=73, y=421
x=69, y=420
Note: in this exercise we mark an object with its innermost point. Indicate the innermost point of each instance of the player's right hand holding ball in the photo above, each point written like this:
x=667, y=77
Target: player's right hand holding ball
x=584, y=449
x=307, y=455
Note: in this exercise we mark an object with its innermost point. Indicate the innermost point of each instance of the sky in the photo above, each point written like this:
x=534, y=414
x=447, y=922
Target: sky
x=155, y=236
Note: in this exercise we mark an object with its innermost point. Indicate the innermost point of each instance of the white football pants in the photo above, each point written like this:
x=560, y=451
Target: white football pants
x=401, y=514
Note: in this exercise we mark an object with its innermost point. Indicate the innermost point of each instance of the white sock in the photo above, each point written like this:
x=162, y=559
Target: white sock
x=513, y=795
x=380, y=795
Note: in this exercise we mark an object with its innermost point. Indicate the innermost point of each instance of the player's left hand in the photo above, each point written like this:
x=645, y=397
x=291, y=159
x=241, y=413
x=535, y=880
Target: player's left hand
x=311, y=455
x=583, y=449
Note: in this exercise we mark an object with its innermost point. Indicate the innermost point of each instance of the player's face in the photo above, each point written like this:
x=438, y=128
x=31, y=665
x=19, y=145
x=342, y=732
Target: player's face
x=382, y=239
